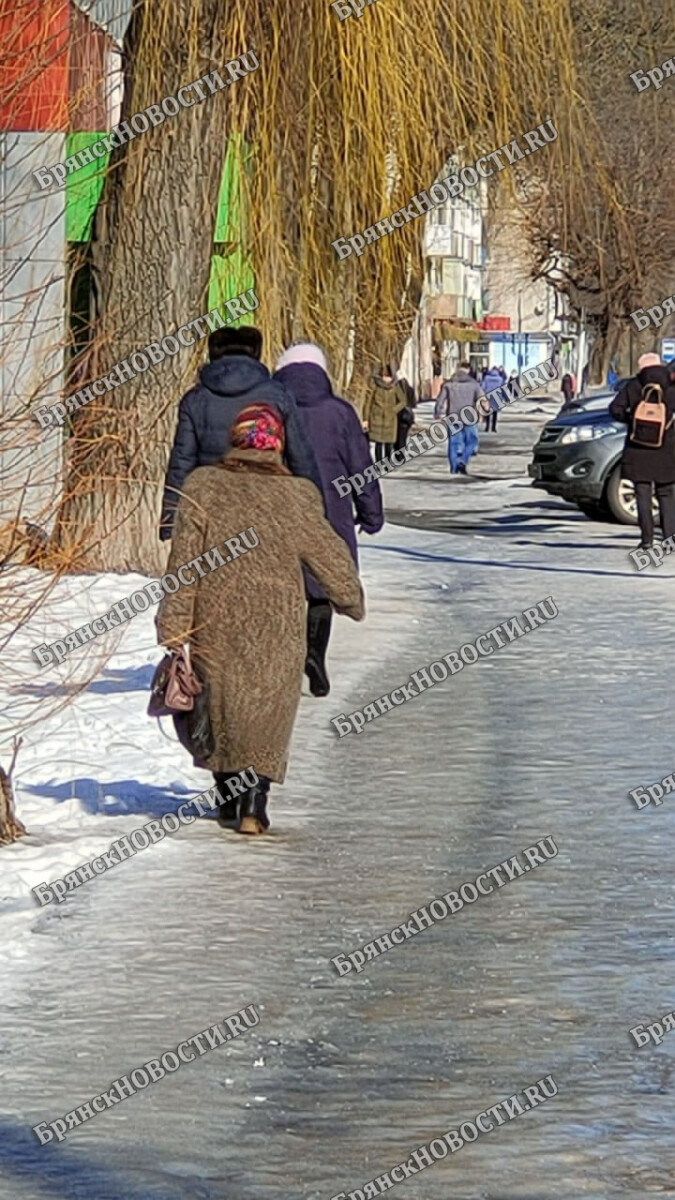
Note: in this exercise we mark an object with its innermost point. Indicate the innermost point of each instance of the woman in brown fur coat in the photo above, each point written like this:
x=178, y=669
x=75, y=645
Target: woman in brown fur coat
x=245, y=621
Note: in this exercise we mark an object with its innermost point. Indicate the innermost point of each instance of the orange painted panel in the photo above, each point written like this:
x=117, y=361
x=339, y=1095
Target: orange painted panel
x=34, y=65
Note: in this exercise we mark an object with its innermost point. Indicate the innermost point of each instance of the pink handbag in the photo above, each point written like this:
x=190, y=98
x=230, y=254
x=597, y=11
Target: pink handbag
x=174, y=685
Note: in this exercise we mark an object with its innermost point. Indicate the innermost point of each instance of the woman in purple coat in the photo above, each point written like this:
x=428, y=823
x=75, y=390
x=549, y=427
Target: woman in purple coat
x=341, y=449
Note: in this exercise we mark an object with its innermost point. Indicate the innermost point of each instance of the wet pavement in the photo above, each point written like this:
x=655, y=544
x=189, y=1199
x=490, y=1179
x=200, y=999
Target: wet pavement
x=345, y=1077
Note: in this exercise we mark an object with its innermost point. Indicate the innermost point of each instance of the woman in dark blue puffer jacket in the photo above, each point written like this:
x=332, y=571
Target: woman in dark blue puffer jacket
x=341, y=448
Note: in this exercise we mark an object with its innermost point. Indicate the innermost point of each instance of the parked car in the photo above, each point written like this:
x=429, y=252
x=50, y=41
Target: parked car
x=592, y=402
x=597, y=397
x=578, y=457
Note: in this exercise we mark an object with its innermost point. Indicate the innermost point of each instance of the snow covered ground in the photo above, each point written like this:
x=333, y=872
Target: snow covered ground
x=343, y=1078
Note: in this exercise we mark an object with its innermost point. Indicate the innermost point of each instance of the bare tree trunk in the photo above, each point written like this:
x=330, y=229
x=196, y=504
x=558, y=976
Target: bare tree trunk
x=610, y=335
x=152, y=253
x=11, y=828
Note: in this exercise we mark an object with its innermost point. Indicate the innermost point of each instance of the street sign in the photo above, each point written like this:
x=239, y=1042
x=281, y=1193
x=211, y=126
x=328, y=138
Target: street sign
x=667, y=349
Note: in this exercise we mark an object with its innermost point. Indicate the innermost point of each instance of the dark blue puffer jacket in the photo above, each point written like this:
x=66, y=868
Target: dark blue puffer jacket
x=341, y=448
x=206, y=414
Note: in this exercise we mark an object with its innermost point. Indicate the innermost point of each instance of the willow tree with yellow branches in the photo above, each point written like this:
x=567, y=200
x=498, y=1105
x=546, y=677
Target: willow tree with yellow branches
x=343, y=122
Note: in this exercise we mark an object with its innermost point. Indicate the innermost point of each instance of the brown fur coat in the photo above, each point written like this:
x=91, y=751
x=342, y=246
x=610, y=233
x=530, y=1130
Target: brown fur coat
x=246, y=621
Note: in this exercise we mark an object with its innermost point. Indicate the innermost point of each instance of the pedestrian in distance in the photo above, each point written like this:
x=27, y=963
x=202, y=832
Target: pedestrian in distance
x=245, y=621
x=567, y=389
x=459, y=392
x=646, y=405
x=436, y=382
x=385, y=400
x=334, y=430
x=492, y=380
x=233, y=378
x=406, y=417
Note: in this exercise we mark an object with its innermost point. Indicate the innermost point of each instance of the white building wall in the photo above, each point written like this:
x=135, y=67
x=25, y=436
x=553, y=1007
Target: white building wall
x=32, y=307
x=509, y=289
x=33, y=301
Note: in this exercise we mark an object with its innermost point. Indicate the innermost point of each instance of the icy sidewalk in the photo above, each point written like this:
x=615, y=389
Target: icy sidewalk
x=100, y=978
x=344, y=1078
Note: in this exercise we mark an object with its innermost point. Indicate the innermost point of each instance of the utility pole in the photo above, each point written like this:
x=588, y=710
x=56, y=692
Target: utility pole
x=581, y=347
x=520, y=331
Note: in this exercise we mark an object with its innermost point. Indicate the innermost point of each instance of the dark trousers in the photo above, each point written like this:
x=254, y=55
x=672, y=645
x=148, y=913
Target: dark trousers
x=383, y=450
x=403, y=425
x=665, y=495
x=491, y=421
x=319, y=620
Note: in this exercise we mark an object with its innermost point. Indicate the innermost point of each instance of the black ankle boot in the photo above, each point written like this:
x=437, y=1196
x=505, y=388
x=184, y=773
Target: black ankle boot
x=253, y=811
x=319, y=617
x=229, y=805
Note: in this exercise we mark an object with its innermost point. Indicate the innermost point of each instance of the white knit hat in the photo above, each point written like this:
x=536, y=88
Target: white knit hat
x=649, y=360
x=304, y=352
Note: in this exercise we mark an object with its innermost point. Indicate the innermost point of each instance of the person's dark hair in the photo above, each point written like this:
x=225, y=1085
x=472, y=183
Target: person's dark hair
x=246, y=340
x=465, y=366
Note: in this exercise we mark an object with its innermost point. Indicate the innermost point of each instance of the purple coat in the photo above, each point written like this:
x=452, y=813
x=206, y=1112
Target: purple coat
x=341, y=448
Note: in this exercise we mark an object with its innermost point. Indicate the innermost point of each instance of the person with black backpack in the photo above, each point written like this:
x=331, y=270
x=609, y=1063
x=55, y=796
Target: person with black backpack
x=647, y=406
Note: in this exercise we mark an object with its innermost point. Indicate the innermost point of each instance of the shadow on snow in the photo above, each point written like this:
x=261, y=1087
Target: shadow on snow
x=117, y=798
x=128, y=679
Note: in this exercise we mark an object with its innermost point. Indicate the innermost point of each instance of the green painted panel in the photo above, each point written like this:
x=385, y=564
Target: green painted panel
x=231, y=270
x=230, y=277
x=83, y=188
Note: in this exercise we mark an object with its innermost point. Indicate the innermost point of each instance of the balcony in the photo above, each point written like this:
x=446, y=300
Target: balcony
x=450, y=307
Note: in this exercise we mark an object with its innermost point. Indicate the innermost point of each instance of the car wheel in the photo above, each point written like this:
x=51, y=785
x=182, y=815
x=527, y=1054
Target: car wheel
x=594, y=512
x=621, y=501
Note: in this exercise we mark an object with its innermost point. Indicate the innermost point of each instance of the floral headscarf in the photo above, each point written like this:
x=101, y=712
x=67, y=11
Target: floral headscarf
x=258, y=427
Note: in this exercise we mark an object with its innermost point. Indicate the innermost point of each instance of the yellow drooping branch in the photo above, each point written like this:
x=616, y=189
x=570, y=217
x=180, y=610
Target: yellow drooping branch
x=349, y=119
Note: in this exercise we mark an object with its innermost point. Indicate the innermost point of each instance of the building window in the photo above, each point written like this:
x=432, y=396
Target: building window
x=452, y=277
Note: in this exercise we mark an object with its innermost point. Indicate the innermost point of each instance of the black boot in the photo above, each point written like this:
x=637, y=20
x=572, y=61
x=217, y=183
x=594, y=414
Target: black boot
x=319, y=617
x=253, y=811
x=229, y=805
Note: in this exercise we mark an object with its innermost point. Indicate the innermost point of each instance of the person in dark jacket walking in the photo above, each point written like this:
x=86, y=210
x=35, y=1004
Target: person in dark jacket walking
x=649, y=466
x=492, y=380
x=406, y=417
x=341, y=448
x=567, y=389
x=232, y=379
x=459, y=392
